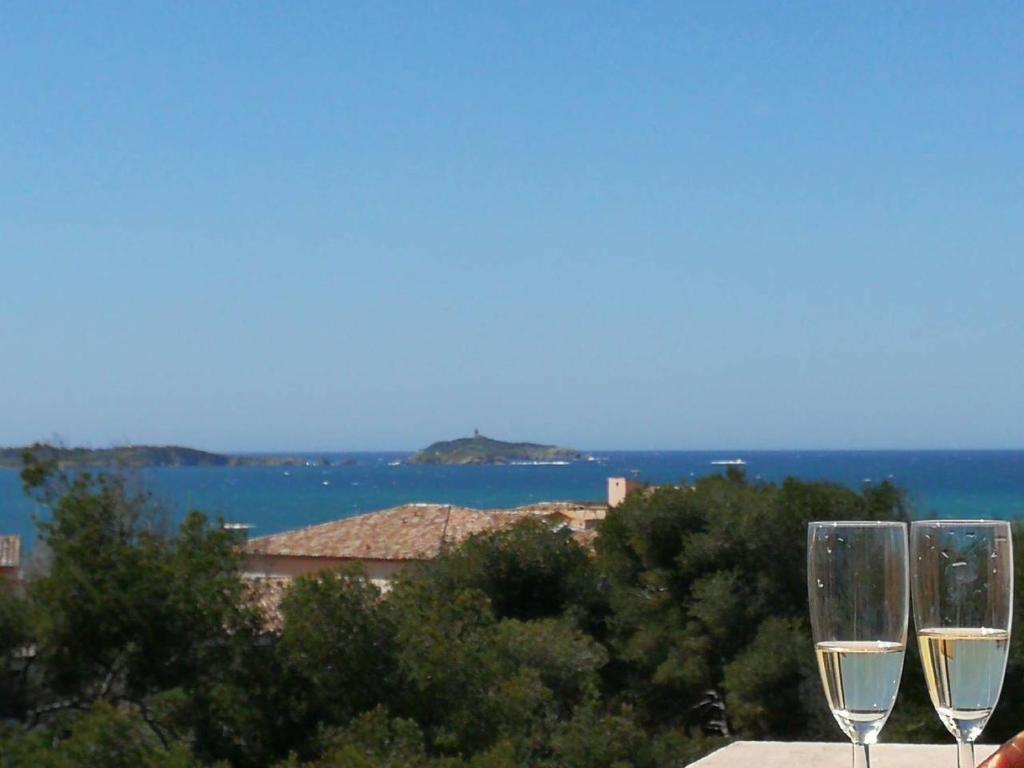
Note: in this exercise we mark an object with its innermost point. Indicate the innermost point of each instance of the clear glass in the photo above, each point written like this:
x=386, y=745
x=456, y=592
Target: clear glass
x=858, y=590
x=962, y=582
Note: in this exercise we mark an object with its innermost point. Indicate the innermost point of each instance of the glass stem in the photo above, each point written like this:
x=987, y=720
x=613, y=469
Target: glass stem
x=965, y=754
x=861, y=759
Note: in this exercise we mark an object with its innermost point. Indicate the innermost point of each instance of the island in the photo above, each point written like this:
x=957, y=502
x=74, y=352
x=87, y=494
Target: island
x=485, y=450
x=143, y=456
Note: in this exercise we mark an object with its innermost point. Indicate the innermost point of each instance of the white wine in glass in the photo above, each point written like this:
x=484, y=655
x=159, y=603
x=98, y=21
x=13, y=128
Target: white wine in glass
x=857, y=586
x=962, y=582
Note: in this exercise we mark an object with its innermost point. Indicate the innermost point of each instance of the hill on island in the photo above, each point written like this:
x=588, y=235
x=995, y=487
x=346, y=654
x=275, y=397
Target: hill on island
x=484, y=450
x=129, y=456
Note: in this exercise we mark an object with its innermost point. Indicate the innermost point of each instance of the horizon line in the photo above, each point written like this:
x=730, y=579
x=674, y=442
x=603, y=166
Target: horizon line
x=279, y=451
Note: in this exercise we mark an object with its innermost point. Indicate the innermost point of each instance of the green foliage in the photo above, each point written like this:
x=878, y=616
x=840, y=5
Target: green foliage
x=597, y=738
x=101, y=736
x=451, y=679
x=686, y=629
x=127, y=609
x=16, y=632
x=527, y=572
x=15, y=624
x=709, y=578
x=135, y=456
x=128, y=612
x=565, y=659
x=375, y=740
x=338, y=646
x=762, y=683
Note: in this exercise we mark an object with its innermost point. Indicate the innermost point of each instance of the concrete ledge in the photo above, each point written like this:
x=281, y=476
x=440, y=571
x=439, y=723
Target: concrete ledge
x=790, y=754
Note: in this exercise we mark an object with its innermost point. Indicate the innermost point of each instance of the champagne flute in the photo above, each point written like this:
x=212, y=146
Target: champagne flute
x=962, y=580
x=857, y=586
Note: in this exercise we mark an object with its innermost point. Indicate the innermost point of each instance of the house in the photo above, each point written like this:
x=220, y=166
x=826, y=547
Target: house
x=383, y=543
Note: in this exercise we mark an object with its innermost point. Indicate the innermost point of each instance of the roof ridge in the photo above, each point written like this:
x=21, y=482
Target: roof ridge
x=444, y=530
x=405, y=532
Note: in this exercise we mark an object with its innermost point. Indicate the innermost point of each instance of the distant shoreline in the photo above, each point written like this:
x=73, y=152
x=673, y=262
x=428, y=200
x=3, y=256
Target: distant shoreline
x=150, y=456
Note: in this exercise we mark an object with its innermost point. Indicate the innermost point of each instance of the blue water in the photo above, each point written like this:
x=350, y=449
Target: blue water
x=939, y=483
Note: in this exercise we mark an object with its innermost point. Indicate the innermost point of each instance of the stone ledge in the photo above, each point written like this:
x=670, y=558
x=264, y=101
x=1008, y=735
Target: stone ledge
x=788, y=754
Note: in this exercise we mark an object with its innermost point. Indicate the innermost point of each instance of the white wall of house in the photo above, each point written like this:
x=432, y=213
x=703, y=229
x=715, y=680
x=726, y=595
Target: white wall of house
x=379, y=571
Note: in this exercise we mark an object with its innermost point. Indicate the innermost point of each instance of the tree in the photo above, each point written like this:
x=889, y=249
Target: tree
x=763, y=682
x=16, y=620
x=450, y=676
x=476, y=684
x=337, y=648
x=528, y=571
x=373, y=740
x=128, y=610
x=100, y=736
x=708, y=593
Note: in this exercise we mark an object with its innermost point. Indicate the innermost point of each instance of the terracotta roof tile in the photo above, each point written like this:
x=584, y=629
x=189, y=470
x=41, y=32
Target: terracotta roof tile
x=576, y=514
x=411, y=532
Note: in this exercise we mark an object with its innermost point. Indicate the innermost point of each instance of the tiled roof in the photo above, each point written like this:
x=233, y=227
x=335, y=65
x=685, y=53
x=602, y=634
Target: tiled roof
x=10, y=551
x=411, y=532
x=575, y=512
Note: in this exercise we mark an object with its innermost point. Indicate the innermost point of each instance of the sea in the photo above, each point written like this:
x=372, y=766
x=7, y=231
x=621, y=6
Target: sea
x=271, y=499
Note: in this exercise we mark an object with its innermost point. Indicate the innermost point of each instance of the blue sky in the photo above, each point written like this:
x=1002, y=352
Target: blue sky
x=369, y=226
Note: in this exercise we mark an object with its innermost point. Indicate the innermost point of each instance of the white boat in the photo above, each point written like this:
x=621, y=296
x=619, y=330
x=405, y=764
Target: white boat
x=729, y=462
x=394, y=463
